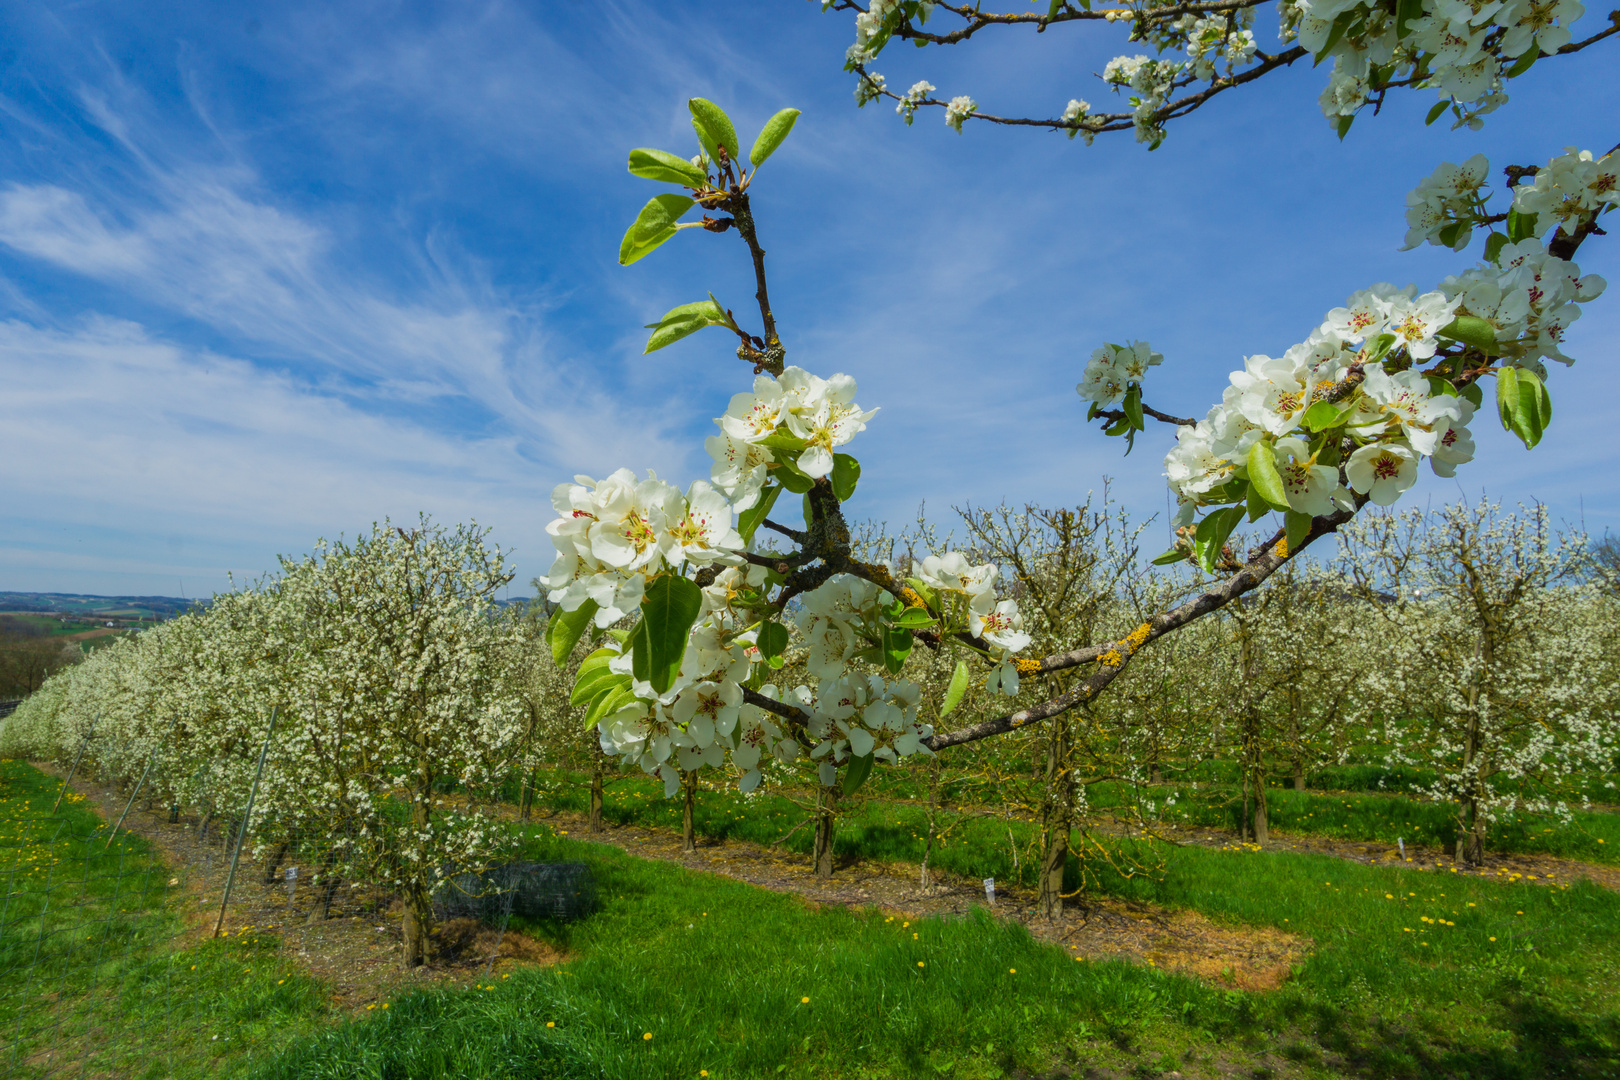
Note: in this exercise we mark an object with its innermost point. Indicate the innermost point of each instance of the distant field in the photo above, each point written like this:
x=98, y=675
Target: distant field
x=127, y=607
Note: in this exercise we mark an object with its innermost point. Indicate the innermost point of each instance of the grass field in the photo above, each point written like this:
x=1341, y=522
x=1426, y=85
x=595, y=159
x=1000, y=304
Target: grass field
x=682, y=974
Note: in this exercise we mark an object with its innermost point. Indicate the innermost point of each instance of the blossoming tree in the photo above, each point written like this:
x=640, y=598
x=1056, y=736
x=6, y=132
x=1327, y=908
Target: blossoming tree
x=1343, y=418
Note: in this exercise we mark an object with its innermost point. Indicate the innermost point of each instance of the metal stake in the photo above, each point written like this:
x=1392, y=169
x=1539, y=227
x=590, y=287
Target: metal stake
x=131, y=802
x=247, y=816
x=83, y=745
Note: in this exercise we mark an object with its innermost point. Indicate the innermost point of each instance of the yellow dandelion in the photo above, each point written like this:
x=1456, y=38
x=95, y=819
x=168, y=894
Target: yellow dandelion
x=804, y=1001
x=1012, y=971
x=551, y=1023
x=646, y=1036
x=919, y=963
x=1493, y=939
x=385, y=1004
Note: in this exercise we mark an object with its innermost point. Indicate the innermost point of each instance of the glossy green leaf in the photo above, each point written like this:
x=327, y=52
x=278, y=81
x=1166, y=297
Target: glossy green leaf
x=914, y=618
x=1321, y=416
x=846, y=473
x=958, y=687
x=773, y=642
x=1212, y=534
x=1298, y=527
x=711, y=120
x=1256, y=505
x=1171, y=557
x=1264, y=477
x=591, y=672
x=1472, y=331
x=897, y=642
x=686, y=319
x=654, y=225
x=856, y=772
x=1523, y=404
x=771, y=135
x=925, y=592
x=608, y=702
x=1519, y=227
x=565, y=627
x=667, y=168
x=1132, y=407
x=749, y=520
x=788, y=475
x=669, y=607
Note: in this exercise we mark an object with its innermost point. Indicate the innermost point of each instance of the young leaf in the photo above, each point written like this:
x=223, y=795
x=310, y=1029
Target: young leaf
x=1472, y=394
x=1523, y=404
x=686, y=319
x=1520, y=227
x=782, y=440
x=856, y=772
x=1524, y=62
x=669, y=607
x=1212, y=533
x=1342, y=125
x=846, y=474
x=669, y=168
x=914, y=618
x=1405, y=12
x=654, y=225
x=897, y=642
x=958, y=687
x=924, y=592
x=789, y=476
x=1256, y=506
x=564, y=629
x=1321, y=416
x=608, y=702
x=1435, y=112
x=1298, y=527
x=773, y=642
x=1132, y=407
x=1264, y=477
x=1171, y=557
x=771, y=135
x=748, y=521
x=1474, y=331
x=712, y=120
x=1335, y=32
x=1494, y=243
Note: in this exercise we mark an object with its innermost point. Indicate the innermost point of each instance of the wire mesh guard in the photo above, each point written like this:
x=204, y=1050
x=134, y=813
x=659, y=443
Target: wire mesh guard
x=562, y=892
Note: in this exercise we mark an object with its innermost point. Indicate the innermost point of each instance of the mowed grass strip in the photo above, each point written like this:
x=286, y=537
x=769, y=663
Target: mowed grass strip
x=94, y=974
x=1415, y=975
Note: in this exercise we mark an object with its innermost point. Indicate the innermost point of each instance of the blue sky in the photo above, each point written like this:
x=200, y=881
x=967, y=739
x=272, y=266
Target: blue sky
x=269, y=273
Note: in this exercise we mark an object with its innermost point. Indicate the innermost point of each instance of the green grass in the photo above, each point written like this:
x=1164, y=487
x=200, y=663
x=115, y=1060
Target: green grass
x=90, y=970
x=717, y=971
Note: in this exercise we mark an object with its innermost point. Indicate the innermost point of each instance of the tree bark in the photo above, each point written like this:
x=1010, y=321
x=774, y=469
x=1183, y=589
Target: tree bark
x=526, y=796
x=329, y=883
x=1057, y=819
x=826, y=820
x=418, y=923
x=274, y=864
x=689, y=783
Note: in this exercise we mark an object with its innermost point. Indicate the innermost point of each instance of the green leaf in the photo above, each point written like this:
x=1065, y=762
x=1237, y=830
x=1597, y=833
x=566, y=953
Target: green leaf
x=788, y=475
x=1171, y=557
x=846, y=473
x=1448, y=233
x=669, y=607
x=771, y=135
x=749, y=520
x=1378, y=348
x=773, y=642
x=1474, y=331
x=668, y=168
x=784, y=440
x=897, y=642
x=1520, y=226
x=1473, y=394
x=1298, y=527
x=1264, y=477
x=1212, y=533
x=808, y=511
x=925, y=592
x=1524, y=62
x=1405, y=12
x=1321, y=416
x=1434, y=113
x=654, y=225
x=856, y=772
x=591, y=672
x=711, y=120
x=1051, y=12
x=640, y=654
x=1494, y=243
x=1439, y=386
x=1523, y=404
x=608, y=702
x=564, y=629
x=1256, y=506
x=1342, y=125
x=1132, y=407
x=1234, y=490
x=958, y=687
x=914, y=618
x=684, y=320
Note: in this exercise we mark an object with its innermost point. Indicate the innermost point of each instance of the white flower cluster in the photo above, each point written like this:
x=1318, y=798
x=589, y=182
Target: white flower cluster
x=793, y=421
x=1529, y=295
x=1152, y=80
x=616, y=534
x=1447, y=200
x=1075, y=113
x=959, y=109
x=907, y=106
x=1573, y=186
x=1397, y=417
x=1213, y=41
x=1113, y=370
x=1464, y=49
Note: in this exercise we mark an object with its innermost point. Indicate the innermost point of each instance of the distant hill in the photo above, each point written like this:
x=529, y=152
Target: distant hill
x=123, y=607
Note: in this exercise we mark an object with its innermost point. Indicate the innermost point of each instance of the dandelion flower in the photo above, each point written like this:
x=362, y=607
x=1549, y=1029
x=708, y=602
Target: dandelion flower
x=1012, y=971
x=551, y=1023
x=1493, y=939
x=804, y=1001
x=646, y=1036
x=919, y=963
